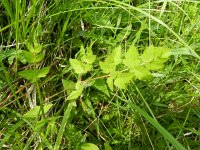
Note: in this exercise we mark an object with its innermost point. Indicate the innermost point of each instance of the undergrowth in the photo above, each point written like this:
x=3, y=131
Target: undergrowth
x=91, y=74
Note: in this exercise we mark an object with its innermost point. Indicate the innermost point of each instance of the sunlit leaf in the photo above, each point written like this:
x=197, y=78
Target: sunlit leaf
x=29, y=57
x=29, y=75
x=34, y=112
x=34, y=75
x=156, y=64
x=89, y=58
x=114, y=57
x=123, y=79
x=80, y=67
x=152, y=53
x=110, y=83
x=155, y=57
x=43, y=72
x=39, y=57
x=88, y=146
x=75, y=94
x=132, y=57
x=111, y=61
x=116, y=54
x=141, y=73
x=32, y=58
x=107, y=67
x=34, y=49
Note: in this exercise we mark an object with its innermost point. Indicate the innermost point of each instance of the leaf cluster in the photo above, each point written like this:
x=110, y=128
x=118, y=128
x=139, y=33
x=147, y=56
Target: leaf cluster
x=119, y=68
x=32, y=56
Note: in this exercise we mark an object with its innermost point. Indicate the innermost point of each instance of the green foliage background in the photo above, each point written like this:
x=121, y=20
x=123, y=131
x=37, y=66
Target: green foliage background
x=92, y=74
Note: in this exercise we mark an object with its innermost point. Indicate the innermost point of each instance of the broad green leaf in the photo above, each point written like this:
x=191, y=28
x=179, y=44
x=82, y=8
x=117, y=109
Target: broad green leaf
x=34, y=112
x=88, y=146
x=166, y=52
x=7, y=53
x=111, y=61
x=29, y=75
x=32, y=58
x=69, y=85
x=39, y=57
x=39, y=124
x=89, y=58
x=149, y=54
x=156, y=64
x=107, y=67
x=107, y=146
x=141, y=73
x=19, y=56
x=36, y=49
x=152, y=53
x=100, y=85
x=34, y=75
x=124, y=33
x=82, y=51
x=132, y=57
x=110, y=83
x=116, y=54
x=88, y=83
x=42, y=72
x=123, y=79
x=75, y=94
x=80, y=67
x=108, y=116
x=29, y=57
x=114, y=57
x=155, y=57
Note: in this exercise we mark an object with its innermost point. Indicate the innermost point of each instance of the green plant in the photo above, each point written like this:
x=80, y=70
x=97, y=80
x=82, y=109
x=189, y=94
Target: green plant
x=115, y=74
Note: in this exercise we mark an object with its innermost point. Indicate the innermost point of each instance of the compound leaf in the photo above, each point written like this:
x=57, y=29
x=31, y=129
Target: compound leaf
x=100, y=85
x=141, y=73
x=29, y=75
x=80, y=67
x=110, y=83
x=42, y=72
x=132, y=57
x=34, y=112
x=69, y=85
x=75, y=94
x=123, y=79
x=107, y=67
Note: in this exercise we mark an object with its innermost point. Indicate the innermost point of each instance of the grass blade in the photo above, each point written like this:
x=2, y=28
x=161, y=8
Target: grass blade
x=156, y=124
x=63, y=124
x=11, y=131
